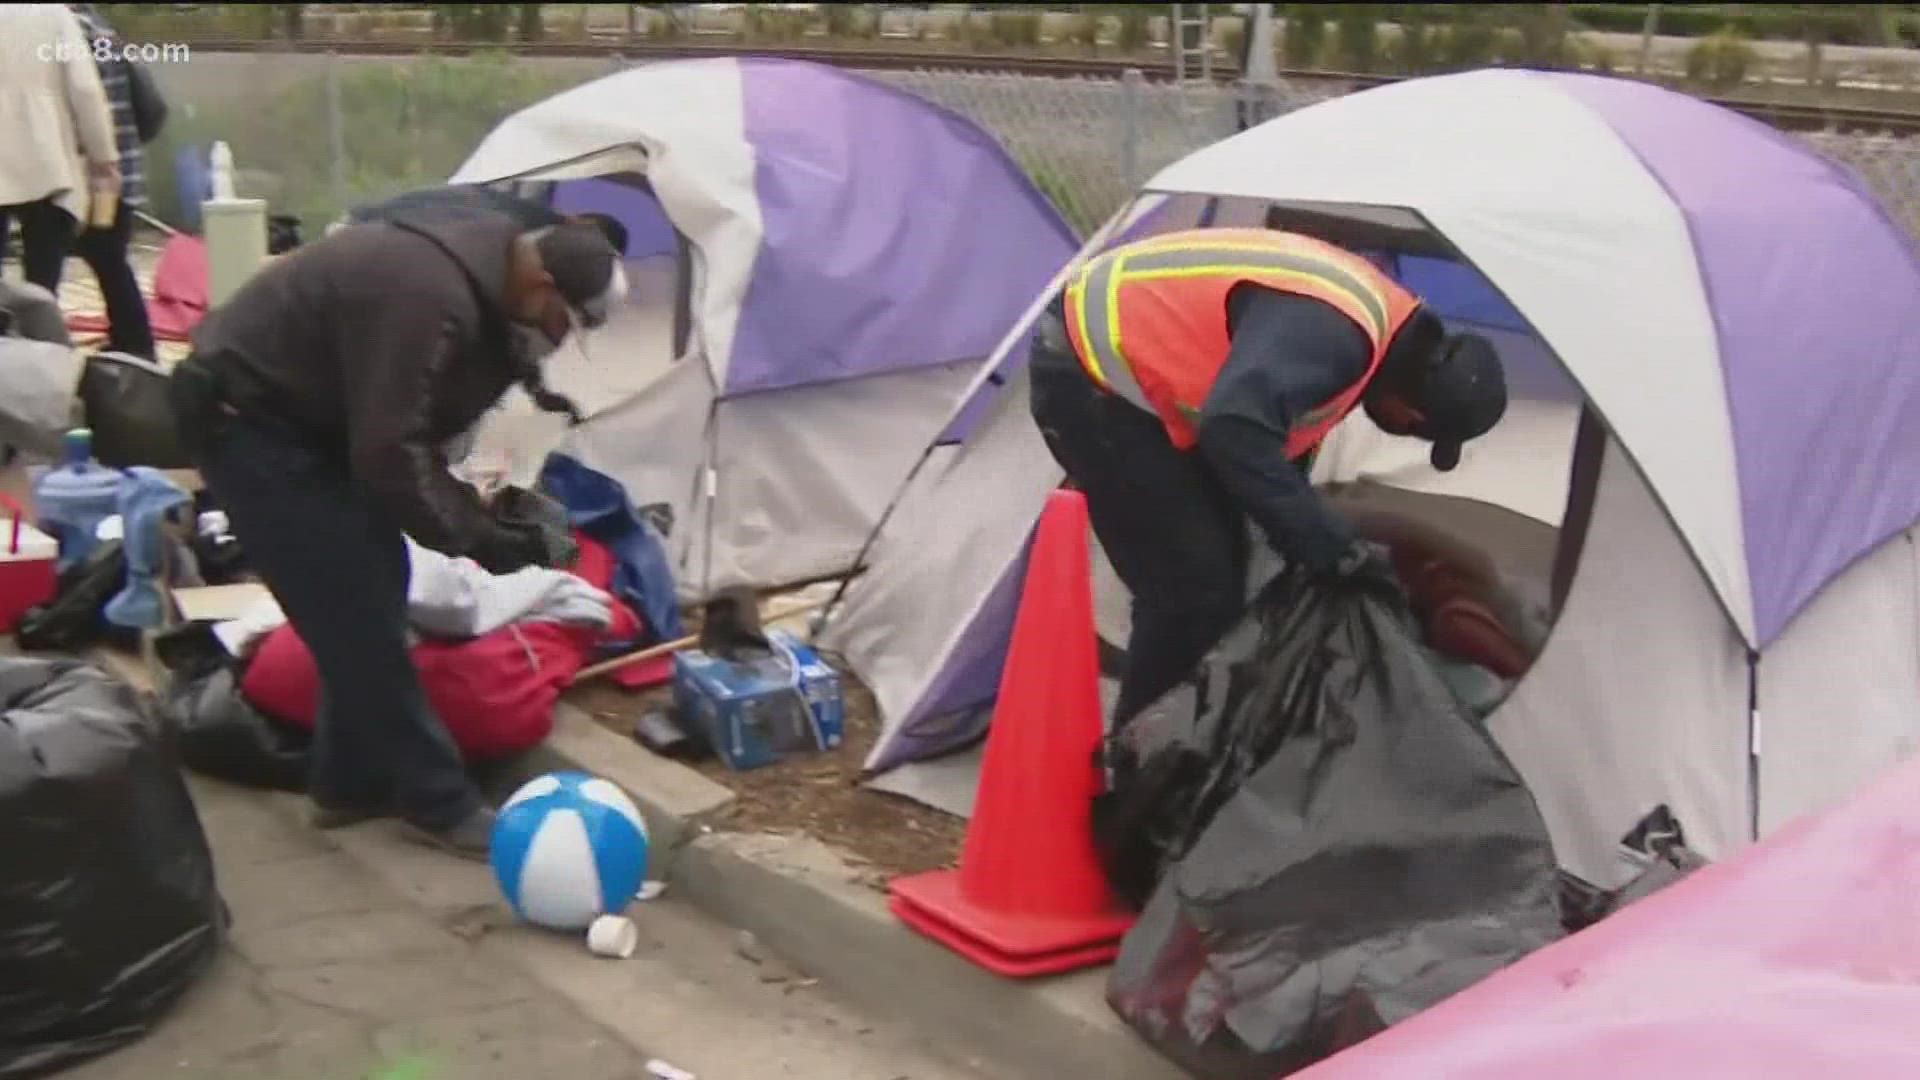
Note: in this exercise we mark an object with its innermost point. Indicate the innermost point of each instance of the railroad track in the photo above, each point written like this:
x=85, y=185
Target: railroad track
x=1789, y=117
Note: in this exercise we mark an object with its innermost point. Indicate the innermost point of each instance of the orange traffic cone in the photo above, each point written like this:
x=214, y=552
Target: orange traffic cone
x=1029, y=897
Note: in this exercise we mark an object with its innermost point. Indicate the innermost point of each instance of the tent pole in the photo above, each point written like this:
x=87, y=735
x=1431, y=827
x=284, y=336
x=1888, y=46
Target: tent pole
x=1753, y=746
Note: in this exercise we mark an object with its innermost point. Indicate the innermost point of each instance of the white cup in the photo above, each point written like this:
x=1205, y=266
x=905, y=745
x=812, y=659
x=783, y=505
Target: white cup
x=613, y=936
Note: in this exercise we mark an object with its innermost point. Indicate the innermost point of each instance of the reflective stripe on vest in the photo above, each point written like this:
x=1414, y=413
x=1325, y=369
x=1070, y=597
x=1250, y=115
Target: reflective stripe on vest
x=1099, y=333
x=1093, y=302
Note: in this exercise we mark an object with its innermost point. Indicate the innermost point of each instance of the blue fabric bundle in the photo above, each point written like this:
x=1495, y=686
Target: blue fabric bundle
x=147, y=500
x=598, y=506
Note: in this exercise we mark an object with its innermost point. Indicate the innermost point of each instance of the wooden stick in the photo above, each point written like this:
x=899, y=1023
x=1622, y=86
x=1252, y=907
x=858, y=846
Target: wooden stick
x=649, y=653
x=666, y=648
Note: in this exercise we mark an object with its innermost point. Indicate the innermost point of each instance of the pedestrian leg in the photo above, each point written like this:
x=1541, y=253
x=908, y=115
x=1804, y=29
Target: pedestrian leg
x=105, y=251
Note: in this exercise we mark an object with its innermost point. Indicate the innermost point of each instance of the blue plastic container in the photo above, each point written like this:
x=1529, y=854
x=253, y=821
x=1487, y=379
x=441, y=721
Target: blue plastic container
x=756, y=712
x=72, y=499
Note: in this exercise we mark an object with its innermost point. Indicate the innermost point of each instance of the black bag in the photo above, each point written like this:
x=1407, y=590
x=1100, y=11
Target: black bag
x=129, y=407
x=77, y=617
x=220, y=735
x=109, y=908
x=149, y=107
x=1372, y=851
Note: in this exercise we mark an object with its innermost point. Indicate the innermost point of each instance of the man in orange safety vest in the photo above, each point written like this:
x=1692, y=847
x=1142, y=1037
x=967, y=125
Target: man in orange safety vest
x=1185, y=381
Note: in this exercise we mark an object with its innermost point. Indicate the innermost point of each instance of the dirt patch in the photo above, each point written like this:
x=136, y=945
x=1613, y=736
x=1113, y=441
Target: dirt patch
x=817, y=794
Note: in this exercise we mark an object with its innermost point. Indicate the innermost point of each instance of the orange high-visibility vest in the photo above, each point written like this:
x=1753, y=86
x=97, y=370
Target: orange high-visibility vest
x=1148, y=320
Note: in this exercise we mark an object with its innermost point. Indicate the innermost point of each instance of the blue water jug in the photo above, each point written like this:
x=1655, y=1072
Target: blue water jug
x=75, y=497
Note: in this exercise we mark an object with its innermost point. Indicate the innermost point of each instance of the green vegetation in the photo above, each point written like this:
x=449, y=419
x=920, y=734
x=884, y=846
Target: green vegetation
x=407, y=125
x=1836, y=24
x=1720, y=60
x=1064, y=191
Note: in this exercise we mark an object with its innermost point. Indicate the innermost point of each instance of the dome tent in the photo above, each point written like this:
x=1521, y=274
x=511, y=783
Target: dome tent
x=1728, y=314
x=818, y=264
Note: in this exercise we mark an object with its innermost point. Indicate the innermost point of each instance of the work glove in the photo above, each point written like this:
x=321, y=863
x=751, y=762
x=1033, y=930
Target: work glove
x=518, y=507
x=511, y=546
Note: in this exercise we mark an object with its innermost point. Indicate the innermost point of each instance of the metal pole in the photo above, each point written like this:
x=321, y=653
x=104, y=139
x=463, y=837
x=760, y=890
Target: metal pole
x=1177, y=42
x=336, y=136
x=1130, y=82
x=1647, y=29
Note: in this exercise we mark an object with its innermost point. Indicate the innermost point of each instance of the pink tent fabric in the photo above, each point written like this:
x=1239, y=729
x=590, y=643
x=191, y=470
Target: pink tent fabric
x=1798, y=958
x=179, y=293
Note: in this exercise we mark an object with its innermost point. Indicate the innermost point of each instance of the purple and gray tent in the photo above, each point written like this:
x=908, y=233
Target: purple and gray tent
x=1713, y=342
x=818, y=264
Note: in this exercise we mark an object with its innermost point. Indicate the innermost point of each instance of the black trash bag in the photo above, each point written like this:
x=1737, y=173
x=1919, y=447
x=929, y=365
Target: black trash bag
x=1381, y=857
x=127, y=405
x=77, y=616
x=219, y=734
x=109, y=909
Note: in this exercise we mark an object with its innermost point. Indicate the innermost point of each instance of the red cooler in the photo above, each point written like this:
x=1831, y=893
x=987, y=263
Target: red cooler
x=28, y=574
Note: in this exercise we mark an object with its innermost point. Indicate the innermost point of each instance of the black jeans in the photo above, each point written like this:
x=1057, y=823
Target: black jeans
x=1168, y=526
x=105, y=251
x=339, y=568
x=46, y=235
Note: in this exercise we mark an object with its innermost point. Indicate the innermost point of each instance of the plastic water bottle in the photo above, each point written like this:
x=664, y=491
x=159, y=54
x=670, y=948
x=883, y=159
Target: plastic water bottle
x=74, y=498
x=221, y=161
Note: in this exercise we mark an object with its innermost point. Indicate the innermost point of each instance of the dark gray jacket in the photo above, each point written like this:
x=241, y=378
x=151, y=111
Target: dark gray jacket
x=380, y=344
x=1290, y=354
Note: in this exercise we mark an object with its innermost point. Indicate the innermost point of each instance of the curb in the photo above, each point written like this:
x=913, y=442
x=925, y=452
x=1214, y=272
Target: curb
x=808, y=905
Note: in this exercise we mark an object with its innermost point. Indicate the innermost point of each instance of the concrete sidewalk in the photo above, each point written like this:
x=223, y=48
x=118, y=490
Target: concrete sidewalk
x=370, y=959
x=332, y=976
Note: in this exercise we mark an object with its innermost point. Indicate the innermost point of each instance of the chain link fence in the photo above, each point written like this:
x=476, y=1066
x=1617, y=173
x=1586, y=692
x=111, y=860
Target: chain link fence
x=1890, y=166
x=316, y=134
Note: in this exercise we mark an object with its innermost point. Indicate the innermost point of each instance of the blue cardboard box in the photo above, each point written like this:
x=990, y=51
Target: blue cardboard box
x=756, y=712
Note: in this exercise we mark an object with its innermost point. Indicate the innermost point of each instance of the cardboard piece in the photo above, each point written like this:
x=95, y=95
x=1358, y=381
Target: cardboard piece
x=218, y=603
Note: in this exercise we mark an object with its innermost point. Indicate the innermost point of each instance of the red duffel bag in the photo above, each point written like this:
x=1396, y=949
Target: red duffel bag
x=495, y=693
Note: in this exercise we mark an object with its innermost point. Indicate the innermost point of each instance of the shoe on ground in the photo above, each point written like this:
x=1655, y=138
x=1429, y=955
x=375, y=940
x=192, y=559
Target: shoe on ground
x=471, y=838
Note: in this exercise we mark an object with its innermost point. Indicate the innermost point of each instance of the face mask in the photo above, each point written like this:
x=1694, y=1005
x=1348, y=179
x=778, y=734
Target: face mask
x=593, y=314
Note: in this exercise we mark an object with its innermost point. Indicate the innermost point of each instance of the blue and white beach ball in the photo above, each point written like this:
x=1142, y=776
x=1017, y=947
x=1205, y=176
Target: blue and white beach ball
x=569, y=848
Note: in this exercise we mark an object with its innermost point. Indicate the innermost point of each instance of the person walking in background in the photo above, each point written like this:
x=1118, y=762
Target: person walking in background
x=56, y=135
x=105, y=249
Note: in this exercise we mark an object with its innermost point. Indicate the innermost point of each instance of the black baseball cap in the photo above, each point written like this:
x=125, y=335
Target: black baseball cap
x=1464, y=394
x=585, y=269
x=609, y=226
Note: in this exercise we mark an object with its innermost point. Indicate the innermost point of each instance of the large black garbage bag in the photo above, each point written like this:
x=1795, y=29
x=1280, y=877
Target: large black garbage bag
x=108, y=904
x=1379, y=855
